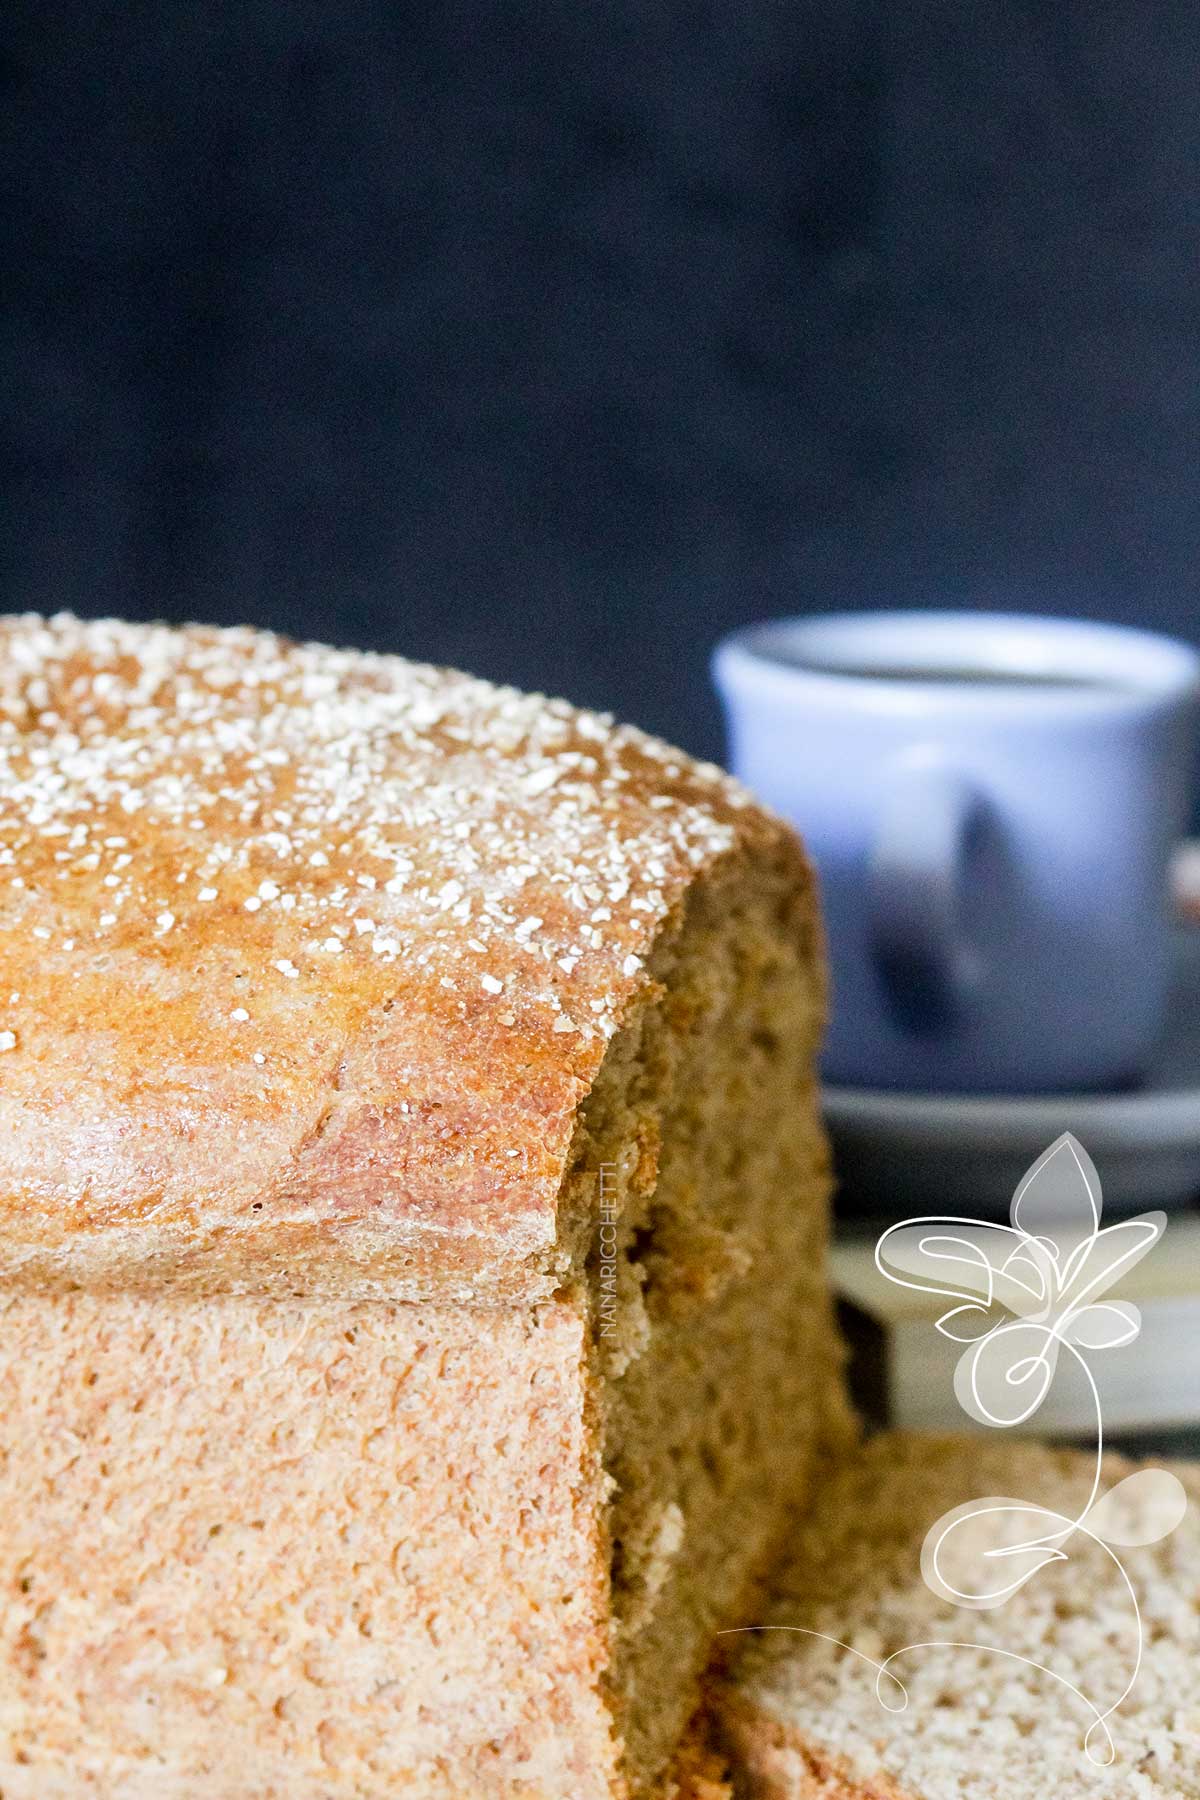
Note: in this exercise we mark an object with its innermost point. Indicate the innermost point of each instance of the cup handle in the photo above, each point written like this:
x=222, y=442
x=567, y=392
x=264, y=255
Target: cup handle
x=926, y=964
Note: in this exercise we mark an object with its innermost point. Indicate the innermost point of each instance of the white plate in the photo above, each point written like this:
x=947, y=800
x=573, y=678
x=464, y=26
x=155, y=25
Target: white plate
x=898, y=1152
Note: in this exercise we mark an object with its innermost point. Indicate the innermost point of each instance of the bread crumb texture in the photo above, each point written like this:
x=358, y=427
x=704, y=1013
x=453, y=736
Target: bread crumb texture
x=298, y=1551
x=801, y=1719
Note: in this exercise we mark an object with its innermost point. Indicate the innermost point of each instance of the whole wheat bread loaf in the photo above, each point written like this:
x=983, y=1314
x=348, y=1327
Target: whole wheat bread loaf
x=413, y=1319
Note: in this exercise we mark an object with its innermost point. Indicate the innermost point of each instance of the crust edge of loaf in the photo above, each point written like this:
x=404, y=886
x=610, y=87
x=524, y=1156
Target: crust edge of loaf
x=459, y=1229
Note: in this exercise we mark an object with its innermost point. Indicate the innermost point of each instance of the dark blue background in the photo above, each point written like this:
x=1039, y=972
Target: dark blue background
x=554, y=339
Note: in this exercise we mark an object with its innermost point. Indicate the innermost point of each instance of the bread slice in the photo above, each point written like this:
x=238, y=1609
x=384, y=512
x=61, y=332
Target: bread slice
x=413, y=1318
x=801, y=1719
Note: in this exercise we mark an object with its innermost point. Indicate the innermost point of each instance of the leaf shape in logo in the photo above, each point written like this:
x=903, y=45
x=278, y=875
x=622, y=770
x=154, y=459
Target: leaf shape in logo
x=1029, y=1277
x=937, y=1256
x=1058, y=1199
x=981, y=1553
x=1110, y=1254
x=968, y=1323
x=961, y=1259
x=1144, y=1508
x=1105, y=1325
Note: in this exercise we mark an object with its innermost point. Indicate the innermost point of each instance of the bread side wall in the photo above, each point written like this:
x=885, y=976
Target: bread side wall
x=257, y=1549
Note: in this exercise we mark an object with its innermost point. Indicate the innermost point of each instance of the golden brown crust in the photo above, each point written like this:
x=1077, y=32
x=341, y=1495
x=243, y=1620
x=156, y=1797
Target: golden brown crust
x=307, y=957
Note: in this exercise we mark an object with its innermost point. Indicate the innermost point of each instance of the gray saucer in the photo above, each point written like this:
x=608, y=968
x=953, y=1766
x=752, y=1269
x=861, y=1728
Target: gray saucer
x=899, y=1153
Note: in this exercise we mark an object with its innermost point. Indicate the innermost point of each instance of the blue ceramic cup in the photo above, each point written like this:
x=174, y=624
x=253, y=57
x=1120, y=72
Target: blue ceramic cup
x=991, y=801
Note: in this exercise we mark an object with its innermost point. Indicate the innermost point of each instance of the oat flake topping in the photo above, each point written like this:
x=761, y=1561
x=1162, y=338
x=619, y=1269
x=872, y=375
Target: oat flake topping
x=330, y=805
